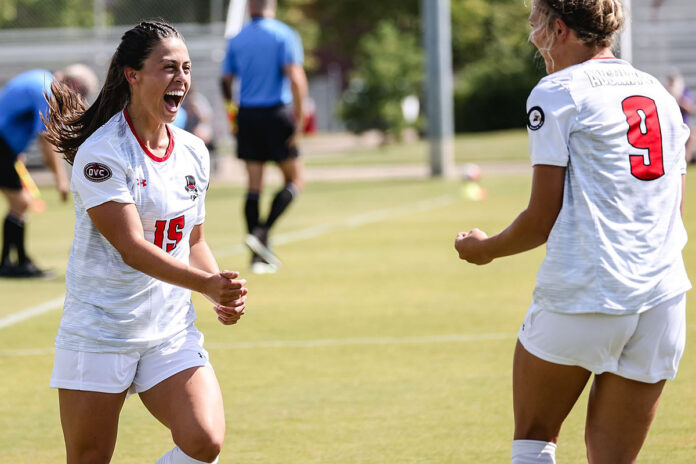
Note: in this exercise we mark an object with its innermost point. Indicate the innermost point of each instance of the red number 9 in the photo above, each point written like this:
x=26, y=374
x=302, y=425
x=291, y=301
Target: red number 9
x=644, y=133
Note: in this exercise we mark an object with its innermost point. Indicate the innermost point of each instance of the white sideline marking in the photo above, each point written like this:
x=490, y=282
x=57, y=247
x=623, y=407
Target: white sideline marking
x=280, y=239
x=321, y=343
x=349, y=223
x=31, y=312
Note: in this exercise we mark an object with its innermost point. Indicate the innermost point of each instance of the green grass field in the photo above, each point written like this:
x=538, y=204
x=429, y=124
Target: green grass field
x=373, y=344
x=504, y=145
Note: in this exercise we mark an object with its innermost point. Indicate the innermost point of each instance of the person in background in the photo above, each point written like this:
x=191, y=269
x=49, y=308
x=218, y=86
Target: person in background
x=139, y=185
x=267, y=58
x=606, y=198
x=678, y=89
x=199, y=117
x=22, y=106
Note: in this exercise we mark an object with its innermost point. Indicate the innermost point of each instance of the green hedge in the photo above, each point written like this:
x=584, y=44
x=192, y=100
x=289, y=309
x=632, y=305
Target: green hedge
x=492, y=94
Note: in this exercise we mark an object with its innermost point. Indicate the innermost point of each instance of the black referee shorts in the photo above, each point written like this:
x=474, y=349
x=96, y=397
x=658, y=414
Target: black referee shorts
x=263, y=133
x=9, y=178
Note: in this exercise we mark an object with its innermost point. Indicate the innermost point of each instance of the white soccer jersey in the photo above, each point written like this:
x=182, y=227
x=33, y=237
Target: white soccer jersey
x=109, y=306
x=616, y=245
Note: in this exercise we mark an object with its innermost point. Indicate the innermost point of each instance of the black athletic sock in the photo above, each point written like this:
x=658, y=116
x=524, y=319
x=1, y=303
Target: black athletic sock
x=280, y=203
x=251, y=210
x=13, y=237
x=21, y=252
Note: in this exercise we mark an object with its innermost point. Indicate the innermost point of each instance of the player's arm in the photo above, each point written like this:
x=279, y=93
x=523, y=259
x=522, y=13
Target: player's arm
x=202, y=258
x=120, y=224
x=52, y=159
x=529, y=230
x=298, y=86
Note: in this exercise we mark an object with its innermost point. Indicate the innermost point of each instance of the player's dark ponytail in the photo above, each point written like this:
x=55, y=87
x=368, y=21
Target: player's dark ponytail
x=69, y=123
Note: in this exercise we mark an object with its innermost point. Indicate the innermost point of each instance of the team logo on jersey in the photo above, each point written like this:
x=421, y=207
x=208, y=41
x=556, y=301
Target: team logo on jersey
x=191, y=187
x=535, y=118
x=97, y=172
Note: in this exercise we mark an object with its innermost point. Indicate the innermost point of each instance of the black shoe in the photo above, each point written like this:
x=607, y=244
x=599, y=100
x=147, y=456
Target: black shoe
x=6, y=270
x=26, y=270
x=257, y=241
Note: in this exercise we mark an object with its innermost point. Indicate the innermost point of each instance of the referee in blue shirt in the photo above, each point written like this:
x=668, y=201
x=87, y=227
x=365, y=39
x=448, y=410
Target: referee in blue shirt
x=267, y=58
x=22, y=103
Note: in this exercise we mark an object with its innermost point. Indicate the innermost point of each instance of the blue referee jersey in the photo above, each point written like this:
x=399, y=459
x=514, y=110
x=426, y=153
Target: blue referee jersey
x=257, y=56
x=22, y=103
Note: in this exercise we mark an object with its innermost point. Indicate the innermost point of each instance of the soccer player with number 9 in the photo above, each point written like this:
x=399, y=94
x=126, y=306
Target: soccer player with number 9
x=607, y=149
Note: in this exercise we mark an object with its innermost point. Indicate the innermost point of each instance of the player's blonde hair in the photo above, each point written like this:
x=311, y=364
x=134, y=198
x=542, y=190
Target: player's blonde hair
x=595, y=22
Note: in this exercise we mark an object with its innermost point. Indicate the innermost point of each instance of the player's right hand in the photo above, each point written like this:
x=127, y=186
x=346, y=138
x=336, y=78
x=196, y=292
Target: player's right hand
x=468, y=245
x=229, y=295
x=224, y=288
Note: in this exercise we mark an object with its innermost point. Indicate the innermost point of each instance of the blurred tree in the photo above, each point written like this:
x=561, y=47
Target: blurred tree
x=343, y=23
x=496, y=64
x=388, y=69
x=295, y=13
x=17, y=14
x=492, y=59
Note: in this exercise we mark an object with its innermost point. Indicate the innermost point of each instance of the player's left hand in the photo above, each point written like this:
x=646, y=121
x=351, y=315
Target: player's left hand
x=229, y=315
x=468, y=245
x=232, y=310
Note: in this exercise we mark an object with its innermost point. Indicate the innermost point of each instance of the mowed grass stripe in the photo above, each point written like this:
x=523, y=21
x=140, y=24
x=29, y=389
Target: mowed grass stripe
x=425, y=339
x=280, y=239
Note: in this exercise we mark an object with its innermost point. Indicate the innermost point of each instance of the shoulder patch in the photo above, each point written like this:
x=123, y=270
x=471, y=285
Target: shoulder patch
x=97, y=172
x=535, y=118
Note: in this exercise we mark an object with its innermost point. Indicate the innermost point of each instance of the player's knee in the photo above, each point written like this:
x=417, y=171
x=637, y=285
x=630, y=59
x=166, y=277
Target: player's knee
x=19, y=205
x=200, y=443
x=92, y=455
x=535, y=429
x=603, y=451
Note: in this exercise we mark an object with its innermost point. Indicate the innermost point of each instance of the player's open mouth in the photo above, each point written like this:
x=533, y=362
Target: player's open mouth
x=172, y=99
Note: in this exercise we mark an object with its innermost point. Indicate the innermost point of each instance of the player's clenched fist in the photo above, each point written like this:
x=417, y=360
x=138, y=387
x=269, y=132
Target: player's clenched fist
x=225, y=287
x=231, y=299
x=469, y=246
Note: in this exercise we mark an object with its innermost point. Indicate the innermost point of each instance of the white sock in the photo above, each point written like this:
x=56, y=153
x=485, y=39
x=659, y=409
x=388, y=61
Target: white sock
x=176, y=456
x=533, y=452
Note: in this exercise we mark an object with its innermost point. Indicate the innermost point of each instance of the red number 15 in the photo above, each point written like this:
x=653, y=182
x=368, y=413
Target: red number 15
x=173, y=229
x=644, y=132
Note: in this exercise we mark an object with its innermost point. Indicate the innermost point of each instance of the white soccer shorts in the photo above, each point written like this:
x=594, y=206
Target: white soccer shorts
x=645, y=347
x=136, y=371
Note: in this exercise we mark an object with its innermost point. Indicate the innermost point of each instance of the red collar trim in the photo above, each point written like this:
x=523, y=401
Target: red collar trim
x=604, y=58
x=170, y=147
